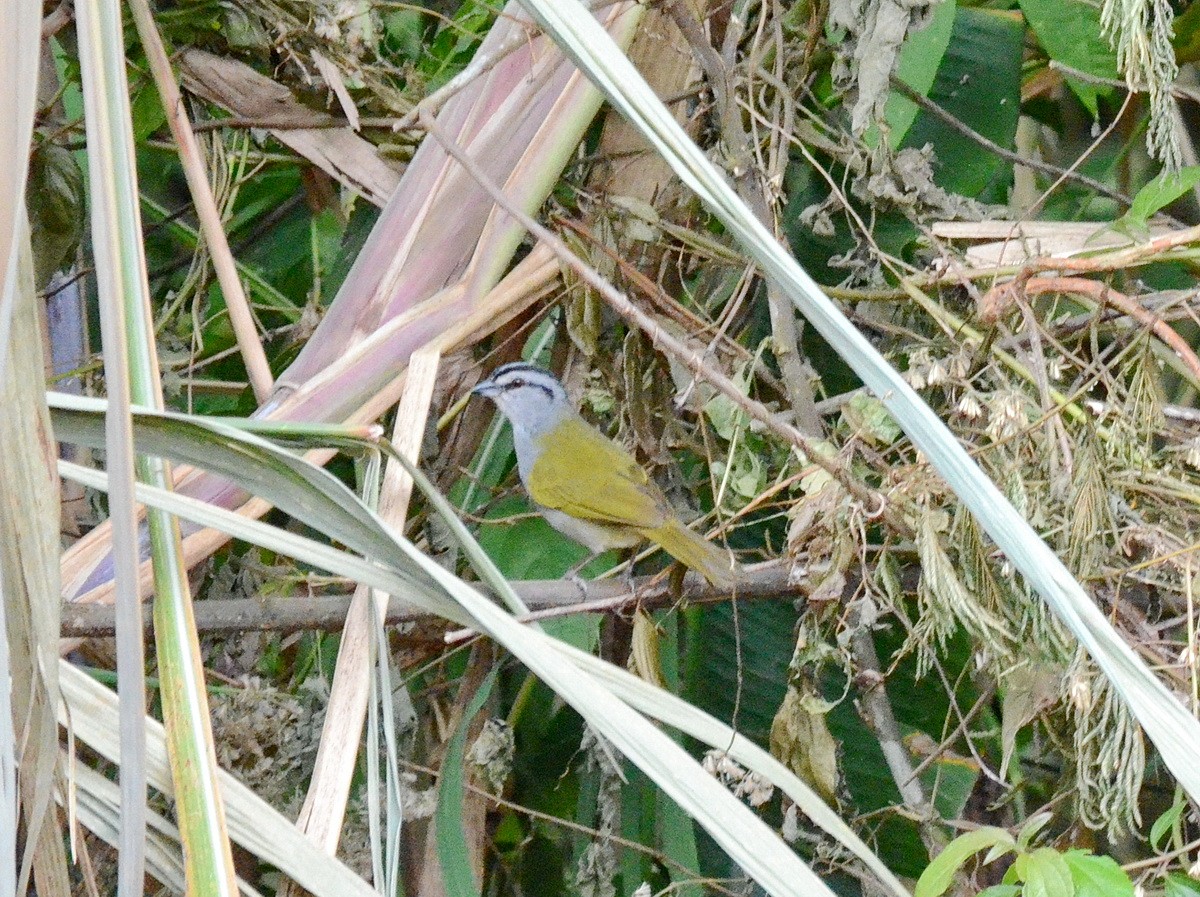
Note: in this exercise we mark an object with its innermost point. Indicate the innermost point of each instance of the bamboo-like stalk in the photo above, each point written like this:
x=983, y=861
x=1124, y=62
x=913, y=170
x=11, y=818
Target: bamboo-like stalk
x=192, y=159
x=18, y=659
x=29, y=518
x=523, y=119
x=329, y=788
x=132, y=374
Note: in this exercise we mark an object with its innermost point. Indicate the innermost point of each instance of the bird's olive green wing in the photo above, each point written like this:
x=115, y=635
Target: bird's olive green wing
x=586, y=475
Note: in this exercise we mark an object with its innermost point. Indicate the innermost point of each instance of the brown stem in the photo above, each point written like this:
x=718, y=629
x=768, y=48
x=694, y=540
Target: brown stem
x=1102, y=294
x=545, y=598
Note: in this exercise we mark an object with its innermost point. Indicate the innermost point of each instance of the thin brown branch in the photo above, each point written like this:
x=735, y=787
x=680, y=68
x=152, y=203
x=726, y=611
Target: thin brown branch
x=1141, y=254
x=1178, y=90
x=308, y=122
x=876, y=711
x=545, y=598
x=1008, y=155
x=785, y=339
x=58, y=19
x=1102, y=294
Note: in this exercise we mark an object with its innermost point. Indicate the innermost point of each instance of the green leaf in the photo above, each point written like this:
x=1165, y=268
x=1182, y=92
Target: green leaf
x=454, y=44
x=979, y=83
x=1160, y=193
x=524, y=546
x=1000, y=891
x=57, y=207
x=1069, y=31
x=405, y=30
x=1028, y=690
x=1187, y=34
x=678, y=836
x=870, y=419
x=1047, y=874
x=939, y=874
x=1098, y=876
x=720, y=677
x=148, y=113
x=1166, y=822
x=1179, y=885
x=1032, y=826
x=920, y=58
x=951, y=781
x=452, y=849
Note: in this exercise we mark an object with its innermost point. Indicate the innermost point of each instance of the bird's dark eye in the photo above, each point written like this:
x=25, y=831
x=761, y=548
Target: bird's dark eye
x=516, y=384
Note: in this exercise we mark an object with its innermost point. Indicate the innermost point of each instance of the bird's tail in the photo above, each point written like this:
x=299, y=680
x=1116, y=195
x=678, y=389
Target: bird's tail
x=694, y=551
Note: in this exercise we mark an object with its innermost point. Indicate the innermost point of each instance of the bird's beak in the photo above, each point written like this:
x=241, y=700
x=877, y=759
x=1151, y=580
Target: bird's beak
x=487, y=389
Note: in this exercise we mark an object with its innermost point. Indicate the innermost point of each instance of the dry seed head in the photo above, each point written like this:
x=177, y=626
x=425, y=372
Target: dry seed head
x=1191, y=456
x=938, y=372
x=969, y=406
x=1007, y=415
x=960, y=365
x=919, y=363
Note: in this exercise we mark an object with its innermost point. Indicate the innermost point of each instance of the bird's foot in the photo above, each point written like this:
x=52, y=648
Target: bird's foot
x=630, y=580
x=579, y=582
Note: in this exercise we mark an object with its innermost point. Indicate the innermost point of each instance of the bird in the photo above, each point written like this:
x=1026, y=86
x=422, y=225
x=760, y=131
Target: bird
x=585, y=485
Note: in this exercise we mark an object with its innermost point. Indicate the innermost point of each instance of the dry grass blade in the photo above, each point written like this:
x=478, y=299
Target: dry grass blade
x=29, y=517
x=98, y=806
x=1017, y=242
x=21, y=607
x=133, y=375
x=192, y=160
x=90, y=710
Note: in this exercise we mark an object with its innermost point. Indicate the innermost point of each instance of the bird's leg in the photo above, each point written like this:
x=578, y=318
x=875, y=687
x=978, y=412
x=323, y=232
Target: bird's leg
x=630, y=578
x=579, y=583
x=573, y=575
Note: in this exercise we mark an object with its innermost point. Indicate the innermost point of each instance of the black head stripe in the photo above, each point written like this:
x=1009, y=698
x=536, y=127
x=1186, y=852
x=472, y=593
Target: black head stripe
x=519, y=367
x=512, y=376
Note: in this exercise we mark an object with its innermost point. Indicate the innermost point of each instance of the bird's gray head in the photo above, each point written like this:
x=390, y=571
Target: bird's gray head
x=529, y=396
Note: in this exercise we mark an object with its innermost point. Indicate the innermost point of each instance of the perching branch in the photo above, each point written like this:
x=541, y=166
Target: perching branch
x=546, y=598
